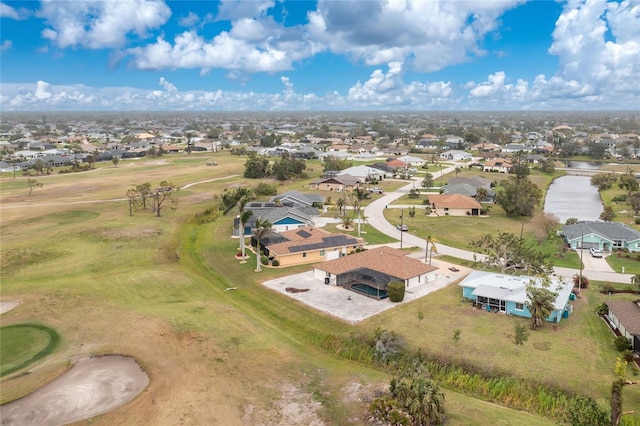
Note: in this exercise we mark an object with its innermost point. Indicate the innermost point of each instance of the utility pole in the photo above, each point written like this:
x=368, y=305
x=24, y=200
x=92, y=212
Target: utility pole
x=401, y=225
x=581, y=252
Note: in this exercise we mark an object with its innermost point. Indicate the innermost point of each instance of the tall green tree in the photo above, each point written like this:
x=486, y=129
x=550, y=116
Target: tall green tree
x=603, y=180
x=262, y=228
x=518, y=196
x=427, y=182
x=256, y=167
x=628, y=183
x=511, y=253
x=33, y=184
x=634, y=201
x=243, y=217
x=608, y=214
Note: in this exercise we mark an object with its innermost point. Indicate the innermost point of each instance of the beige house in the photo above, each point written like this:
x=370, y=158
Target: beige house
x=499, y=165
x=310, y=245
x=454, y=205
x=369, y=272
x=624, y=316
x=337, y=183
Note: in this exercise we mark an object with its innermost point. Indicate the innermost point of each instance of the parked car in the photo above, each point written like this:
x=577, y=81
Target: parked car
x=595, y=252
x=376, y=190
x=402, y=227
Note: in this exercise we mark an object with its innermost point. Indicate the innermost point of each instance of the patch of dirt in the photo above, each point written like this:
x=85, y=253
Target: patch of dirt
x=542, y=346
x=117, y=234
x=92, y=387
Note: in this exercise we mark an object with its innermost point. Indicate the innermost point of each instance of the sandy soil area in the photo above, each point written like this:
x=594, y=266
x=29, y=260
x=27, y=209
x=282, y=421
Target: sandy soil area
x=7, y=306
x=92, y=387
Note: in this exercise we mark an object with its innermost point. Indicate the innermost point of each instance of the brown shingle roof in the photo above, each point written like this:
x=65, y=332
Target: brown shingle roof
x=628, y=313
x=383, y=259
x=453, y=201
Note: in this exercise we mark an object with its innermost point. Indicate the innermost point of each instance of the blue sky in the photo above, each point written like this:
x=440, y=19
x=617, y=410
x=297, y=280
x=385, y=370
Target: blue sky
x=449, y=55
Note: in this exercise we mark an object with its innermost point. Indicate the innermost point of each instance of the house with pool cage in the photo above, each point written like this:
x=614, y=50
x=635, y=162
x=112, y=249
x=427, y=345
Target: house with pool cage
x=368, y=272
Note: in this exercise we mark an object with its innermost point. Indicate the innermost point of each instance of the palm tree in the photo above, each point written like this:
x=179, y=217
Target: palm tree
x=243, y=216
x=430, y=240
x=540, y=304
x=347, y=221
x=340, y=204
x=261, y=229
x=481, y=194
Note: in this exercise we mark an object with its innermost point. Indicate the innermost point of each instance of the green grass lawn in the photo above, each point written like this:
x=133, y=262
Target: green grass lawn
x=24, y=344
x=157, y=289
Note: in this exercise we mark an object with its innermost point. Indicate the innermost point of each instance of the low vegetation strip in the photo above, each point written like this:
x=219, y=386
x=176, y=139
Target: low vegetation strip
x=24, y=344
x=526, y=395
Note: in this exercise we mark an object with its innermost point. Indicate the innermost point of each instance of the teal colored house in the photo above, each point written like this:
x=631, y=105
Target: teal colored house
x=507, y=294
x=606, y=236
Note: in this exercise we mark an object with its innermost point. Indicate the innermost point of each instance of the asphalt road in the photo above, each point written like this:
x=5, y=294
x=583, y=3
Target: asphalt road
x=594, y=269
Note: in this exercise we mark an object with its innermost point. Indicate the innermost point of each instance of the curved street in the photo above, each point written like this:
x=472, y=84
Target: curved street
x=594, y=269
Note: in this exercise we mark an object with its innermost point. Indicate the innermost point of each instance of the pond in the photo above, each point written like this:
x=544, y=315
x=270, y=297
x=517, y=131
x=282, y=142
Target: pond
x=573, y=196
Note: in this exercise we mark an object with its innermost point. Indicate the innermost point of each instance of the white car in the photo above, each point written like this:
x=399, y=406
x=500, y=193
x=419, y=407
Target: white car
x=402, y=227
x=595, y=252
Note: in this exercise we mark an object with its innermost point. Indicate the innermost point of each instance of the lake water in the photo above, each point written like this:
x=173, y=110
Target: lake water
x=573, y=196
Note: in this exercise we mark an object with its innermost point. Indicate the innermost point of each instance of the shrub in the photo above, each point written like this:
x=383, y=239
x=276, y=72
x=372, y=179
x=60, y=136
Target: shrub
x=264, y=260
x=628, y=355
x=602, y=309
x=275, y=262
x=622, y=343
x=396, y=291
x=620, y=198
x=578, y=282
x=608, y=288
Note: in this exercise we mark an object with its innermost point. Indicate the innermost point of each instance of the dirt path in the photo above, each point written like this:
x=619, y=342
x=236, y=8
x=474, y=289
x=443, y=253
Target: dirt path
x=93, y=386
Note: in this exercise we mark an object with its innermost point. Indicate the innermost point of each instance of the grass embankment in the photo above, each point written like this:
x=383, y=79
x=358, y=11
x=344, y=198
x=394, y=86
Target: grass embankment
x=155, y=289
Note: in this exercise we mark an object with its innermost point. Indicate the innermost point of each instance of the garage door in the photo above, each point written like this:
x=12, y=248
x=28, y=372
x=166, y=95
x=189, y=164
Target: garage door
x=587, y=246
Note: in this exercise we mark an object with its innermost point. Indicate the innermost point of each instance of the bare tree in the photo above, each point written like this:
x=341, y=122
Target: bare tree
x=162, y=194
x=33, y=184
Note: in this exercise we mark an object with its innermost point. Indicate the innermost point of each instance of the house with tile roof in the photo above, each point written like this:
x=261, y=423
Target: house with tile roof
x=308, y=244
x=454, y=205
x=369, y=272
x=335, y=183
x=606, y=236
x=499, y=165
x=507, y=294
x=624, y=316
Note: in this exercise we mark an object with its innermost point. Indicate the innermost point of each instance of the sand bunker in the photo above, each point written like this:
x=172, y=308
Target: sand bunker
x=93, y=386
x=7, y=306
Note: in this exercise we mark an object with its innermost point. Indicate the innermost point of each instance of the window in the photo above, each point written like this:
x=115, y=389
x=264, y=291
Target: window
x=304, y=254
x=519, y=306
x=321, y=252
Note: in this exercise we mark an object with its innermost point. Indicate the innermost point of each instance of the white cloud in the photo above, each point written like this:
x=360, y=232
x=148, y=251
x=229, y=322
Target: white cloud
x=100, y=24
x=434, y=34
x=7, y=11
x=6, y=45
x=189, y=21
x=598, y=48
x=170, y=88
x=490, y=87
x=237, y=9
x=235, y=50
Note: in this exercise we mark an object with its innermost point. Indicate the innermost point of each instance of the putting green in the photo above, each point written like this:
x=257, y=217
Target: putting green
x=23, y=344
